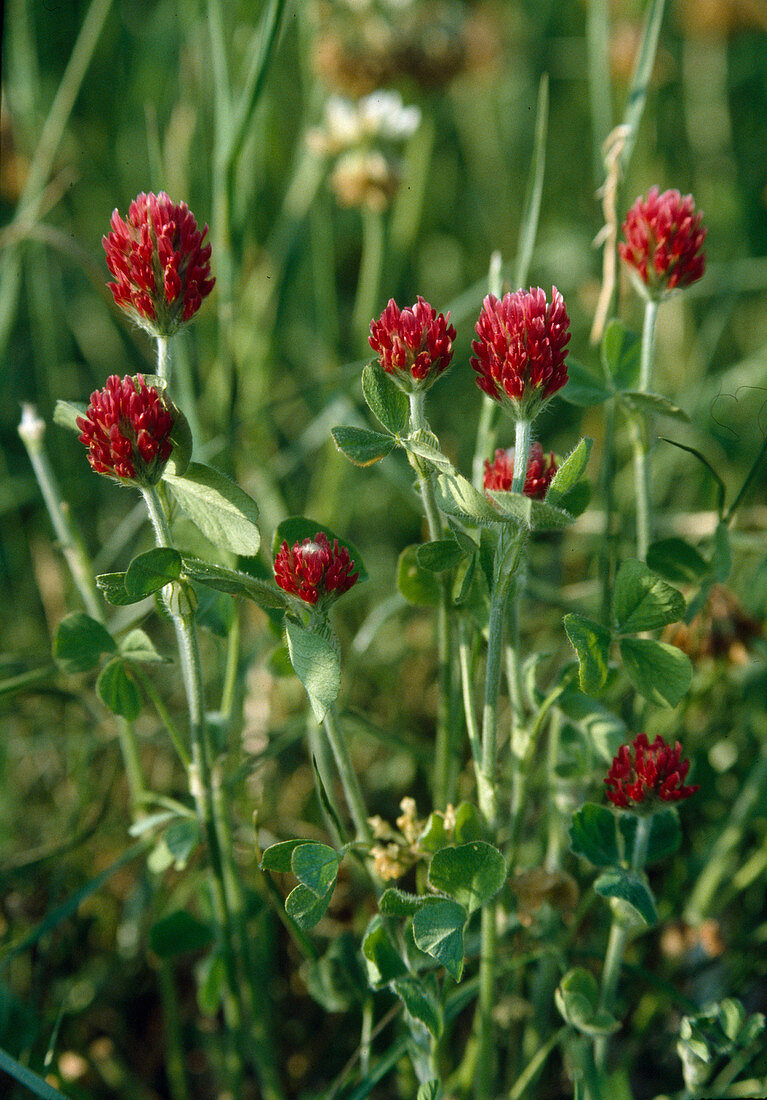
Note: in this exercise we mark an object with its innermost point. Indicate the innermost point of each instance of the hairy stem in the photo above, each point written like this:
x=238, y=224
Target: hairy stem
x=443, y=758
x=351, y=784
x=638, y=436
x=619, y=935
x=200, y=780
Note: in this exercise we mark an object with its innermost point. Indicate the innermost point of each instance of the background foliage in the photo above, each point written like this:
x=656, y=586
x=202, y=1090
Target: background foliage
x=271, y=364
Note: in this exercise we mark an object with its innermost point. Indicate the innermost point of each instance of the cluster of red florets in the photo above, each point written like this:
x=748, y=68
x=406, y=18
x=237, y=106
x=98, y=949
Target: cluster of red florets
x=415, y=344
x=499, y=474
x=160, y=264
x=127, y=428
x=645, y=772
x=314, y=569
x=521, y=346
x=664, y=236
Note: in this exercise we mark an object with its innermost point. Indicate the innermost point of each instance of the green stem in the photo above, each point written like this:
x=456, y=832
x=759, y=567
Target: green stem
x=488, y=804
x=163, y=358
x=485, y=440
x=472, y=729
x=619, y=935
x=354, y=797
x=444, y=779
x=639, y=442
x=200, y=781
x=32, y=432
x=163, y=714
x=232, y=665
x=369, y=278
x=522, y=433
x=175, y=1061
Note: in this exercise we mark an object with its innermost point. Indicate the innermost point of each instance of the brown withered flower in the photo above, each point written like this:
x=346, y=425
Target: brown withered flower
x=721, y=631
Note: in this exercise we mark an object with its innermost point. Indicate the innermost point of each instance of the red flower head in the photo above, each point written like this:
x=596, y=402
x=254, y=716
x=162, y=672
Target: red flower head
x=314, y=570
x=540, y=470
x=161, y=267
x=521, y=350
x=414, y=345
x=127, y=429
x=664, y=239
x=644, y=772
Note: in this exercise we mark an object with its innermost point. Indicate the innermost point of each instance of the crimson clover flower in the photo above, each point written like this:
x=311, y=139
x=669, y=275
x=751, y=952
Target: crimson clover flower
x=314, y=570
x=521, y=349
x=127, y=429
x=664, y=237
x=645, y=773
x=160, y=264
x=414, y=345
x=541, y=468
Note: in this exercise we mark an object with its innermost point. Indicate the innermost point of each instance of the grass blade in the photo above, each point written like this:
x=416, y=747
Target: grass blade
x=36, y=1085
x=640, y=81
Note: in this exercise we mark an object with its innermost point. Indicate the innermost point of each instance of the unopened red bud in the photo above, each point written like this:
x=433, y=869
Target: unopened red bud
x=127, y=429
x=664, y=241
x=160, y=264
x=414, y=345
x=314, y=570
x=643, y=773
x=520, y=350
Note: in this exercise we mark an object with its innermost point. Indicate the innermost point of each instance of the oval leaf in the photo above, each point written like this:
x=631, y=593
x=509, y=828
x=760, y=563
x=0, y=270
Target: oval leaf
x=570, y=472
x=660, y=672
x=278, y=857
x=419, y=586
x=620, y=355
x=117, y=690
x=420, y=1002
x=628, y=887
x=591, y=643
x=438, y=930
x=439, y=556
x=112, y=585
x=665, y=833
x=642, y=601
x=384, y=962
x=223, y=511
x=316, y=664
x=151, y=571
x=472, y=873
x=676, y=561
x=594, y=835
x=137, y=646
x=656, y=403
x=316, y=865
x=80, y=641
x=583, y=388
x=305, y=908
x=387, y=403
x=361, y=446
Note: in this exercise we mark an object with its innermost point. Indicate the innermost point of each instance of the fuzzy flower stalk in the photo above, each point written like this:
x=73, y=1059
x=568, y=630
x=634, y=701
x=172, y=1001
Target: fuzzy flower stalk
x=128, y=428
x=520, y=350
x=499, y=474
x=315, y=570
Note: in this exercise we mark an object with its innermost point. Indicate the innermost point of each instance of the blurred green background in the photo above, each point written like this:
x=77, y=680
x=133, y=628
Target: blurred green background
x=272, y=362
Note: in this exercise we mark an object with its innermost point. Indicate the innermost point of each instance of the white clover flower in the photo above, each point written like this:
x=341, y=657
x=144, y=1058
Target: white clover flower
x=379, y=116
